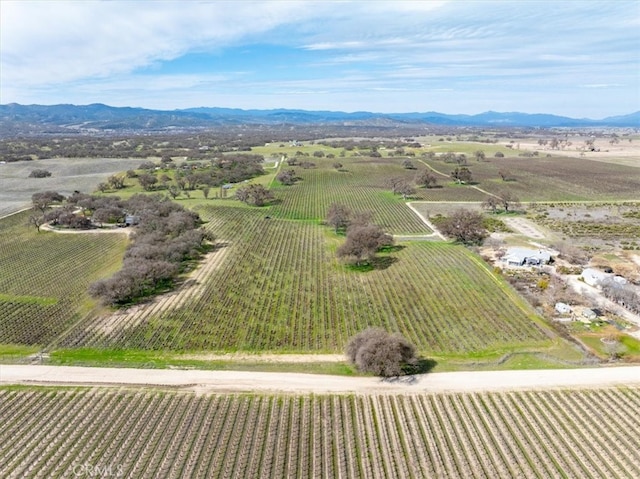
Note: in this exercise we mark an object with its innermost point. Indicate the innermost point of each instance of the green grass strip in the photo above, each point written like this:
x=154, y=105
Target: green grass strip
x=39, y=300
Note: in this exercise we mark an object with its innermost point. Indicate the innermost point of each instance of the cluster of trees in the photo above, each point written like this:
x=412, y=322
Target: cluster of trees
x=378, y=352
x=364, y=239
x=78, y=211
x=232, y=168
x=166, y=238
x=507, y=200
x=624, y=294
x=402, y=186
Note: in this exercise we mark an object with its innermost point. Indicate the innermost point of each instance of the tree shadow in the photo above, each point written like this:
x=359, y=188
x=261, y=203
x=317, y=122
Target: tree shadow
x=421, y=366
x=392, y=249
x=375, y=264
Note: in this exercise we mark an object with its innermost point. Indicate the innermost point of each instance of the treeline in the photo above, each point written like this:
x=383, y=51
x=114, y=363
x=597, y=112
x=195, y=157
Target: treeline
x=624, y=294
x=188, y=176
x=166, y=238
x=195, y=145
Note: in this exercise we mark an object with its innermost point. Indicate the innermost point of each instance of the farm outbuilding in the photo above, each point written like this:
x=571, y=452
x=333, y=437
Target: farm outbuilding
x=131, y=220
x=525, y=256
x=594, y=276
x=563, y=308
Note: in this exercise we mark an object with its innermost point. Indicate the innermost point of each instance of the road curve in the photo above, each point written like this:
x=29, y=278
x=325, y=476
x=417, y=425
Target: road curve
x=244, y=381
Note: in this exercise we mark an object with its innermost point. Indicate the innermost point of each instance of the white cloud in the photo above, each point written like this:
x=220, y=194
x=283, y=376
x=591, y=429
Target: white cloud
x=54, y=42
x=410, y=52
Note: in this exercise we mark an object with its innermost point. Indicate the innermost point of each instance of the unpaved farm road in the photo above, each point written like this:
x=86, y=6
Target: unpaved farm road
x=243, y=381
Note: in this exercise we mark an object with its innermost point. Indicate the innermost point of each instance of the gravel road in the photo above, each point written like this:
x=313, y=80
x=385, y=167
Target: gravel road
x=242, y=381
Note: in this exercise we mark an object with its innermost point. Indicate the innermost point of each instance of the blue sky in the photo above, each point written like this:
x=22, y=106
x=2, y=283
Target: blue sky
x=574, y=58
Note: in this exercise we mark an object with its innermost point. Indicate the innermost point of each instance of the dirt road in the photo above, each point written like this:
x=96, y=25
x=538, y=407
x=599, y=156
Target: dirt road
x=242, y=381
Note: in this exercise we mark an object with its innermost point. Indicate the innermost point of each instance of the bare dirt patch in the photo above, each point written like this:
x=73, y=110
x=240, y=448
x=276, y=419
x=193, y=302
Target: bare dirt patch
x=524, y=227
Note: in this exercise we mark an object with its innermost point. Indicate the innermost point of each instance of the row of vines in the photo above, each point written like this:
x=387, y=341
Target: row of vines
x=44, y=278
x=59, y=433
x=362, y=185
x=281, y=288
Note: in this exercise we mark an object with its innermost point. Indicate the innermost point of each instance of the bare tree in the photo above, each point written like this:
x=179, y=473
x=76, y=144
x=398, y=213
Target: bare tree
x=37, y=221
x=491, y=203
x=405, y=189
x=42, y=201
x=287, y=177
x=408, y=165
x=116, y=181
x=509, y=200
x=465, y=226
x=378, y=352
x=426, y=178
x=363, y=242
x=338, y=216
x=147, y=181
x=505, y=175
x=253, y=194
x=462, y=175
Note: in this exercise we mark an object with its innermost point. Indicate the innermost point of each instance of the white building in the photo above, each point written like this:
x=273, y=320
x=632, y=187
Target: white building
x=525, y=256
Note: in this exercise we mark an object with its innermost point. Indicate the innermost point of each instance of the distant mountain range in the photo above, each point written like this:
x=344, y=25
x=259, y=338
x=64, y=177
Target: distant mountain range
x=61, y=118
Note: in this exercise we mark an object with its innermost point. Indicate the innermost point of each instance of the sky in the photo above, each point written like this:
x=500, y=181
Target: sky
x=574, y=58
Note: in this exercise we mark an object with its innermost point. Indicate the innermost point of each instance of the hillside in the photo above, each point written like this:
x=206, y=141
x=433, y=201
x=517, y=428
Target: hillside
x=33, y=119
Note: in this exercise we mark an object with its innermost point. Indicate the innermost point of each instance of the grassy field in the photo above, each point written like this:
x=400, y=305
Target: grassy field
x=67, y=175
x=57, y=432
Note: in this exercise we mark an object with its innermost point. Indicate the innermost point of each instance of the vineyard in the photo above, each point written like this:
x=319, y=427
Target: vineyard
x=44, y=278
x=362, y=185
x=545, y=179
x=48, y=432
x=280, y=288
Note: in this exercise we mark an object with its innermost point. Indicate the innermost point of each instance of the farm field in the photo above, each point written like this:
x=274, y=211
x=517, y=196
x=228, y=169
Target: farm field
x=44, y=278
x=362, y=185
x=59, y=432
x=68, y=175
x=290, y=294
x=555, y=178
x=276, y=286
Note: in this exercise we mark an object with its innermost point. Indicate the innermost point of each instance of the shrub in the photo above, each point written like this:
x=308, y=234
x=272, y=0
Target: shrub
x=381, y=353
x=39, y=173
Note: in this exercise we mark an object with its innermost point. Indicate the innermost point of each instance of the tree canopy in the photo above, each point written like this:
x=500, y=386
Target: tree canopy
x=376, y=351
